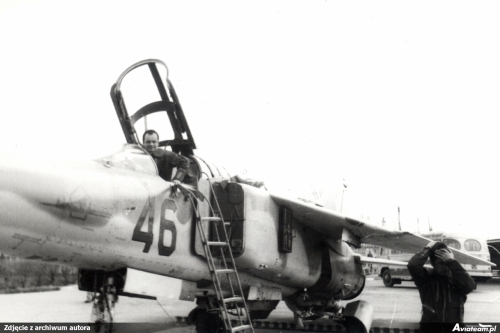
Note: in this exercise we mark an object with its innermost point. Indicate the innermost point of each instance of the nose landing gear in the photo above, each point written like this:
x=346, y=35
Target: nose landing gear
x=104, y=306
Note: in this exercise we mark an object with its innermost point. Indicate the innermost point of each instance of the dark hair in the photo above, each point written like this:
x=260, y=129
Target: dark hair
x=149, y=132
x=437, y=246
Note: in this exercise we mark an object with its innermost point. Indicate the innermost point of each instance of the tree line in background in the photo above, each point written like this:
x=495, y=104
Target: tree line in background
x=21, y=274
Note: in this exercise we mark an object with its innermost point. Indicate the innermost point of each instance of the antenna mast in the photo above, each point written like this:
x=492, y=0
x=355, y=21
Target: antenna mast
x=399, y=219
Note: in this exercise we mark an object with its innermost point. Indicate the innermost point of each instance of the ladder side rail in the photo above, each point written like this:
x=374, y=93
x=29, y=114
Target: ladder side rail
x=215, y=279
x=203, y=237
x=232, y=259
x=224, y=228
x=208, y=254
x=228, y=275
x=211, y=265
x=219, y=239
x=213, y=269
x=228, y=248
x=223, y=264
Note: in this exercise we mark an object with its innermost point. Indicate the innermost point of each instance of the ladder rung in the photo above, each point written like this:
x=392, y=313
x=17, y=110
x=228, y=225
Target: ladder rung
x=240, y=328
x=217, y=244
x=233, y=299
x=225, y=271
x=211, y=218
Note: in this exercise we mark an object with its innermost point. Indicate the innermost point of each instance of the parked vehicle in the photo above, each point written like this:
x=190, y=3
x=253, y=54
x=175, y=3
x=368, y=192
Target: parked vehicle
x=494, y=248
x=476, y=246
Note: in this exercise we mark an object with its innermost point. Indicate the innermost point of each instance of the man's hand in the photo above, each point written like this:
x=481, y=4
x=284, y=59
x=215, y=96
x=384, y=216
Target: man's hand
x=175, y=187
x=444, y=254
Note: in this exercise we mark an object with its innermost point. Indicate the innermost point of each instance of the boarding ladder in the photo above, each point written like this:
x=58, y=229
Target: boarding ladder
x=224, y=267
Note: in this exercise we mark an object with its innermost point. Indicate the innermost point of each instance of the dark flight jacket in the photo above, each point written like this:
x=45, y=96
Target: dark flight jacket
x=442, y=297
x=166, y=161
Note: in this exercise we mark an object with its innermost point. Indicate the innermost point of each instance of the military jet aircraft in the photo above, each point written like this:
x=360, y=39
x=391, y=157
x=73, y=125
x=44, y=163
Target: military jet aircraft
x=238, y=249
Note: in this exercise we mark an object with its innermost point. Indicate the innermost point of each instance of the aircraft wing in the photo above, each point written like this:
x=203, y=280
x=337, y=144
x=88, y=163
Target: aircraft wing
x=332, y=225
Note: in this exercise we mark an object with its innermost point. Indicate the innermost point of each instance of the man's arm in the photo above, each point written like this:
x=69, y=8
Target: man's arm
x=180, y=162
x=248, y=181
x=417, y=262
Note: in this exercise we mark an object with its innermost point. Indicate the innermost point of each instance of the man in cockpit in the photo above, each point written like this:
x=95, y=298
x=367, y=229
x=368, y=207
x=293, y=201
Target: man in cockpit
x=165, y=159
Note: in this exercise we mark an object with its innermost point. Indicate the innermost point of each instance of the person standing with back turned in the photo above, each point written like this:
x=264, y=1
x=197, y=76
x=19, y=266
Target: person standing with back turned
x=442, y=289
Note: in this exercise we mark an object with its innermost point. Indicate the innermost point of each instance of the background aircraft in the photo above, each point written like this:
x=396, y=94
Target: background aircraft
x=234, y=245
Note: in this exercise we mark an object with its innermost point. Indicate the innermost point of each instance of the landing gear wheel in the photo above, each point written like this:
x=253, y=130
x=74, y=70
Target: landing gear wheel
x=386, y=276
x=191, y=318
x=208, y=322
x=298, y=320
x=355, y=326
x=482, y=279
x=260, y=314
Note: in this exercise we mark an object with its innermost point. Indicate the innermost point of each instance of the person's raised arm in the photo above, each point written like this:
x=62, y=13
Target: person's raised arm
x=417, y=262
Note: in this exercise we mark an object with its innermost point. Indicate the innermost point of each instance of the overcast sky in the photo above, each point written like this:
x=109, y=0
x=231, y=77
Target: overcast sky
x=400, y=99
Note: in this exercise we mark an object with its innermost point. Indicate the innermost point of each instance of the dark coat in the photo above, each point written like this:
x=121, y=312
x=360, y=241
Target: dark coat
x=166, y=161
x=442, y=296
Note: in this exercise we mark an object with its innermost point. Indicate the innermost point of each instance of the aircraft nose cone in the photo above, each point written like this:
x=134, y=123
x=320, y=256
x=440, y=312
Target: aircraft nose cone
x=66, y=188
x=13, y=172
x=43, y=202
x=21, y=230
x=26, y=177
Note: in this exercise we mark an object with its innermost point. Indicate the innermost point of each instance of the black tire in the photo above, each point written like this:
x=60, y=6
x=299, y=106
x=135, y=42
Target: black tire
x=191, y=318
x=260, y=314
x=208, y=322
x=482, y=279
x=386, y=277
x=355, y=326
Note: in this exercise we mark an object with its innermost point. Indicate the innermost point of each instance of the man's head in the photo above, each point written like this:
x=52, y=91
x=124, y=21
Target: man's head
x=439, y=254
x=150, y=140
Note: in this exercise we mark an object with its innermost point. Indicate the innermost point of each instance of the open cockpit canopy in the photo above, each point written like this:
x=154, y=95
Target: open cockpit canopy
x=164, y=114
x=153, y=104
